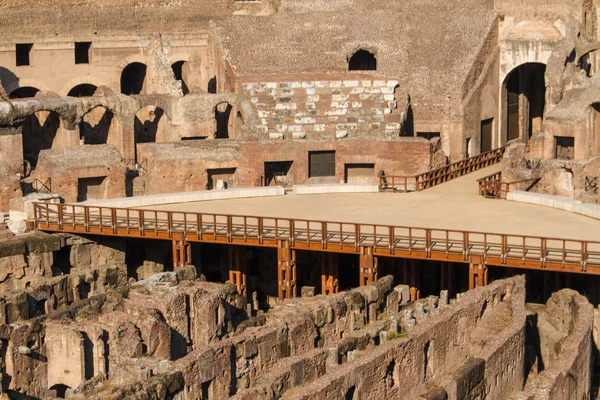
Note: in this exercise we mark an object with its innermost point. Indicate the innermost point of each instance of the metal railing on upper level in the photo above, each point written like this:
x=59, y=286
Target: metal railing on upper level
x=517, y=251
x=441, y=175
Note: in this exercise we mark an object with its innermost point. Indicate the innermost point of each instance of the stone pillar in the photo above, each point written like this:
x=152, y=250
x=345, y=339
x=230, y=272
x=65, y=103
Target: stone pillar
x=11, y=165
x=286, y=271
x=368, y=266
x=237, y=269
x=478, y=273
x=329, y=273
x=128, y=141
x=67, y=134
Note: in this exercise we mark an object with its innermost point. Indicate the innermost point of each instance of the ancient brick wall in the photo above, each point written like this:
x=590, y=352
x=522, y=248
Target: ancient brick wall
x=302, y=108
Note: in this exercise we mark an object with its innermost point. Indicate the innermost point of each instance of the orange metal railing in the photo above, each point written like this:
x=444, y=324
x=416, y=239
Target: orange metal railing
x=440, y=175
x=493, y=187
x=397, y=241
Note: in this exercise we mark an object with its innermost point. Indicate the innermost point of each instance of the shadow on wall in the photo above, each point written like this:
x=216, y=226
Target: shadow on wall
x=8, y=79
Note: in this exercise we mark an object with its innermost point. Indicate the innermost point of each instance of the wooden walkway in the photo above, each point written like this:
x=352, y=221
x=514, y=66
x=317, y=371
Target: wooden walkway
x=492, y=249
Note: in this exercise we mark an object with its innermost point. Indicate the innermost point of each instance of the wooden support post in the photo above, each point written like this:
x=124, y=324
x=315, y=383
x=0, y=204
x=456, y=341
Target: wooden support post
x=478, y=273
x=286, y=270
x=237, y=269
x=414, y=280
x=367, y=266
x=182, y=251
x=329, y=273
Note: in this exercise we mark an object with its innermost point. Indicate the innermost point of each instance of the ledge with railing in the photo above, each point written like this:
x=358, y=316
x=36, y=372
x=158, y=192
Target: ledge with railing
x=441, y=175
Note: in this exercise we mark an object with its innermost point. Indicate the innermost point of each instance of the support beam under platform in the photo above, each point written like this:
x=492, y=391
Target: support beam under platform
x=237, y=269
x=478, y=273
x=329, y=273
x=182, y=252
x=286, y=271
x=368, y=266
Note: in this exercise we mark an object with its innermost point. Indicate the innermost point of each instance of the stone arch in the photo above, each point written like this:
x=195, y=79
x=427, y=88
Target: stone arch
x=100, y=126
x=151, y=124
x=83, y=90
x=81, y=80
x=181, y=71
x=133, y=78
x=362, y=60
x=224, y=122
x=523, y=101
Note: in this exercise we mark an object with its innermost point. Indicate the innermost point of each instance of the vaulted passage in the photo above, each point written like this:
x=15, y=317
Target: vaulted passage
x=525, y=92
x=362, y=60
x=99, y=126
x=23, y=92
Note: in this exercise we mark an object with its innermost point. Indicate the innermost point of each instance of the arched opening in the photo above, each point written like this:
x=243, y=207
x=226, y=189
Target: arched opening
x=99, y=126
x=222, y=114
x=133, y=79
x=83, y=90
x=525, y=100
x=362, y=60
x=180, y=69
x=23, y=92
x=60, y=389
x=39, y=131
x=150, y=125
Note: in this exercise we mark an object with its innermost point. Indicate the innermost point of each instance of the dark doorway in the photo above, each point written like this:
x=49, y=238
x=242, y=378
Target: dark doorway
x=321, y=163
x=428, y=135
x=487, y=128
x=222, y=113
x=512, y=106
x=362, y=60
x=278, y=173
x=133, y=78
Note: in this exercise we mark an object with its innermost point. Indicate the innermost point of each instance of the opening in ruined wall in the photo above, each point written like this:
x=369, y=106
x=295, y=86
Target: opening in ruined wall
x=23, y=54
x=487, y=134
x=39, y=131
x=212, y=85
x=362, y=60
x=207, y=390
x=359, y=173
x=428, y=135
x=564, y=148
x=23, y=92
x=351, y=394
x=278, y=173
x=133, y=79
x=82, y=52
x=88, y=356
x=222, y=114
x=84, y=289
x=99, y=126
x=428, y=367
x=60, y=390
x=91, y=188
x=525, y=100
x=150, y=125
x=321, y=163
x=83, y=90
x=180, y=69
x=220, y=178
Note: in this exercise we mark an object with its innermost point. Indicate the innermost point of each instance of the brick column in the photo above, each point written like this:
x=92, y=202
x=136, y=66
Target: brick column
x=237, y=269
x=286, y=271
x=367, y=266
x=182, y=252
x=329, y=273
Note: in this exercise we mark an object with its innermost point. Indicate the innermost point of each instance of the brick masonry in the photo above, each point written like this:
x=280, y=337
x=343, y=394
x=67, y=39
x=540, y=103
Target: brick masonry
x=326, y=109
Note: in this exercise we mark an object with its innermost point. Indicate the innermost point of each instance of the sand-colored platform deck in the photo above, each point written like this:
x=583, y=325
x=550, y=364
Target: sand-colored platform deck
x=454, y=205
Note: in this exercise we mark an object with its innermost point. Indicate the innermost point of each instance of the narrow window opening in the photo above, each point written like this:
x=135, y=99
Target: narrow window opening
x=564, y=148
x=82, y=52
x=23, y=53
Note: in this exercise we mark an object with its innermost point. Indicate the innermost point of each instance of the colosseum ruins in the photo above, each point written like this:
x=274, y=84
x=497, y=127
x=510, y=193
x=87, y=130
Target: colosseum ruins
x=300, y=200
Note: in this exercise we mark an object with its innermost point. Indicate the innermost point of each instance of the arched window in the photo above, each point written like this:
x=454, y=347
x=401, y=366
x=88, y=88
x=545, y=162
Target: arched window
x=133, y=78
x=99, y=126
x=362, y=60
x=23, y=92
x=83, y=90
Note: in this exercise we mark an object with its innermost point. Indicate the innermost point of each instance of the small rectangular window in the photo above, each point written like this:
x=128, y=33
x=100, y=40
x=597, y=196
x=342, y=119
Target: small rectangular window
x=23, y=53
x=82, y=52
x=564, y=148
x=321, y=163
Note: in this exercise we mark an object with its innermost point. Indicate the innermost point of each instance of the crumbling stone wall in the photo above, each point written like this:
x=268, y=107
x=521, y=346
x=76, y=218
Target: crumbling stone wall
x=565, y=329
